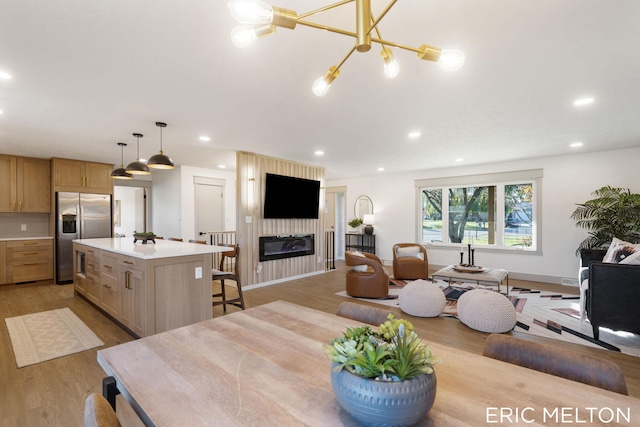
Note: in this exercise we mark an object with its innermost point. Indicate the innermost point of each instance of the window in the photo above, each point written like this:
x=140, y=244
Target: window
x=502, y=214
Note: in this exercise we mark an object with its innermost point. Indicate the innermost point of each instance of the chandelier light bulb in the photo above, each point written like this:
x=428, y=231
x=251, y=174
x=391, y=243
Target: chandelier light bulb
x=253, y=12
x=451, y=59
x=243, y=36
x=320, y=87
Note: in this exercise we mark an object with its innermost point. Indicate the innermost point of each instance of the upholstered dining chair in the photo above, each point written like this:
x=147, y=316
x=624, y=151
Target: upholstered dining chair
x=556, y=361
x=410, y=261
x=200, y=242
x=98, y=412
x=366, y=278
x=230, y=260
x=362, y=313
x=175, y=239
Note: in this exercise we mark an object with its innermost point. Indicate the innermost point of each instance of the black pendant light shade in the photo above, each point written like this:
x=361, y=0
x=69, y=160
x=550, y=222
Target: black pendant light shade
x=121, y=173
x=137, y=167
x=160, y=161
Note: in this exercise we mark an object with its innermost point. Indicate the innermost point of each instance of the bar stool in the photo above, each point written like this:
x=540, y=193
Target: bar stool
x=221, y=275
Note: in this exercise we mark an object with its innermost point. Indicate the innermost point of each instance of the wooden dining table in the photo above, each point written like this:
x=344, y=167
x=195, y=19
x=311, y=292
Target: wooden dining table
x=265, y=366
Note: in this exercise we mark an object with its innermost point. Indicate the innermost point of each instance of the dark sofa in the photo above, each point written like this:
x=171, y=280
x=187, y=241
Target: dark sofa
x=612, y=297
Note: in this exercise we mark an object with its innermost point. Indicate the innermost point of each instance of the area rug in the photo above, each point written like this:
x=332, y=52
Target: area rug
x=539, y=313
x=48, y=335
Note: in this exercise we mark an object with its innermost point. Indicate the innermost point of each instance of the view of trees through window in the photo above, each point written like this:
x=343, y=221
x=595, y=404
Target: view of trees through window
x=493, y=215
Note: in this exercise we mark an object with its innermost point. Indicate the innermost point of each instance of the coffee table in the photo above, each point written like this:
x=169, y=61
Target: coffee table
x=487, y=275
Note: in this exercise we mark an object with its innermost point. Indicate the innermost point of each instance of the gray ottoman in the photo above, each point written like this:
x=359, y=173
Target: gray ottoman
x=422, y=299
x=486, y=311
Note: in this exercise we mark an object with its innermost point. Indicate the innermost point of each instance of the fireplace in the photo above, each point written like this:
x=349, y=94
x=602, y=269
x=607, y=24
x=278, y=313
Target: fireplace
x=286, y=246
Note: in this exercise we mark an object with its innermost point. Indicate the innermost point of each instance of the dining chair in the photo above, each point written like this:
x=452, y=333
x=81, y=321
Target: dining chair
x=98, y=412
x=228, y=270
x=175, y=239
x=200, y=242
x=363, y=313
x=556, y=361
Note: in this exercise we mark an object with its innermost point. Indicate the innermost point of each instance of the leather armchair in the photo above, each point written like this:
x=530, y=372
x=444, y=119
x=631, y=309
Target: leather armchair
x=407, y=263
x=372, y=283
x=610, y=295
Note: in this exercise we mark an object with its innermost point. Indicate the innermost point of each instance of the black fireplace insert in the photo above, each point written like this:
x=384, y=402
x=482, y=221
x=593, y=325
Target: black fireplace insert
x=286, y=246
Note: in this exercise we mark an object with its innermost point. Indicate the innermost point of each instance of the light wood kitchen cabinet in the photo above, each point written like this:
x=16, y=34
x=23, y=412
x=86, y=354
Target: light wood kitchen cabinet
x=3, y=263
x=132, y=280
x=29, y=260
x=110, y=300
x=82, y=177
x=28, y=184
x=92, y=275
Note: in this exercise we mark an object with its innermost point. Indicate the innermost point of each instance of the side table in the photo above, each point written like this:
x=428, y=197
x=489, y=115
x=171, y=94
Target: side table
x=488, y=275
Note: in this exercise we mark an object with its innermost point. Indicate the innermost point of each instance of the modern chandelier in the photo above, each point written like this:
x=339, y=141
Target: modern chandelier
x=261, y=20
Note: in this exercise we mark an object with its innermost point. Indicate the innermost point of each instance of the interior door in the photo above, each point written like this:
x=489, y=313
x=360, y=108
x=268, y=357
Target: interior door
x=209, y=198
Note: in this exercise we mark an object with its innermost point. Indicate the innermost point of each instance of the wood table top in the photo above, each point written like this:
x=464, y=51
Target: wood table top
x=265, y=366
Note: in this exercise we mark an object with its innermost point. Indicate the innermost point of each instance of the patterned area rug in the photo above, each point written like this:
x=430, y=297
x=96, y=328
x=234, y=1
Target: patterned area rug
x=48, y=335
x=539, y=313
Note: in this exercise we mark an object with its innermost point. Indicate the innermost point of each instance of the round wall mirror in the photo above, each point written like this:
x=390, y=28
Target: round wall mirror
x=363, y=206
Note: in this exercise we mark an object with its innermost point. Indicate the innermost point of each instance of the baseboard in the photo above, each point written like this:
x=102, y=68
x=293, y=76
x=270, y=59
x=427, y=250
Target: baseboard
x=284, y=279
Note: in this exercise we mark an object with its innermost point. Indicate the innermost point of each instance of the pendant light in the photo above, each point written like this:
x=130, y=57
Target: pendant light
x=160, y=161
x=137, y=167
x=121, y=173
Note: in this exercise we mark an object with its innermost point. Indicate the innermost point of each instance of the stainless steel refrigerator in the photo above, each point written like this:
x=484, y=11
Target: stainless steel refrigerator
x=79, y=216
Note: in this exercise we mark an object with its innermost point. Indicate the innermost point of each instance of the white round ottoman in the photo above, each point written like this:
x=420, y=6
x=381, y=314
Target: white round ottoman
x=486, y=311
x=422, y=298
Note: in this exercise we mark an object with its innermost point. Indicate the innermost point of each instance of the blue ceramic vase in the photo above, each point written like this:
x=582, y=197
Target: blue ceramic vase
x=382, y=403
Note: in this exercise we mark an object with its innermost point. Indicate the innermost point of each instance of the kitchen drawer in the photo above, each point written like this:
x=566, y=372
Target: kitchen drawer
x=94, y=290
x=110, y=265
x=31, y=253
x=110, y=299
x=92, y=266
x=27, y=271
x=130, y=262
x=29, y=244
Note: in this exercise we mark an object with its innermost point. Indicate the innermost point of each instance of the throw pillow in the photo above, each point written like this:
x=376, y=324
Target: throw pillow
x=409, y=252
x=621, y=252
x=360, y=268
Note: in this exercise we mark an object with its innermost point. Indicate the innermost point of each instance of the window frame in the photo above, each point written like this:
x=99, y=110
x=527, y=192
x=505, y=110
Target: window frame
x=499, y=180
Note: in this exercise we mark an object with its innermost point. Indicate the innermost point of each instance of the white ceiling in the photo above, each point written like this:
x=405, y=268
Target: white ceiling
x=88, y=74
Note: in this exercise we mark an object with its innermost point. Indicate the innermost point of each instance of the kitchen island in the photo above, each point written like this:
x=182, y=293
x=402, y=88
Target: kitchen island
x=147, y=288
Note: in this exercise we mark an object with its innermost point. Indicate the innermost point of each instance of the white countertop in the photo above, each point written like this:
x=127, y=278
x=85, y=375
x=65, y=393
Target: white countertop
x=150, y=250
x=3, y=239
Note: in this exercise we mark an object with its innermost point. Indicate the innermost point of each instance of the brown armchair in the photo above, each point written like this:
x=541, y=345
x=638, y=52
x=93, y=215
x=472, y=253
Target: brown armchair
x=410, y=261
x=372, y=282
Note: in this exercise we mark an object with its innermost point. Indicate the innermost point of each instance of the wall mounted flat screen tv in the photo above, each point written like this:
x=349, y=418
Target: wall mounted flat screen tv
x=289, y=197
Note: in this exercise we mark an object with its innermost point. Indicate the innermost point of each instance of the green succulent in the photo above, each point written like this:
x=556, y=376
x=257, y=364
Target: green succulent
x=394, y=352
x=355, y=222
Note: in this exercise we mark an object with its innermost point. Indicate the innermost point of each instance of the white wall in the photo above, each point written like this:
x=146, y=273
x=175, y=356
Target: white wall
x=173, y=200
x=567, y=180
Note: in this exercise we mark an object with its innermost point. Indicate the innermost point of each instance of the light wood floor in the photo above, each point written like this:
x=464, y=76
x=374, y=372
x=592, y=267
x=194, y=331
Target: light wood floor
x=52, y=393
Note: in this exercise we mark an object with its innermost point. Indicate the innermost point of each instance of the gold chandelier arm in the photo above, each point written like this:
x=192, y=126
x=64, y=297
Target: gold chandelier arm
x=327, y=28
x=324, y=9
x=345, y=58
x=384, y=12
x=398, y=45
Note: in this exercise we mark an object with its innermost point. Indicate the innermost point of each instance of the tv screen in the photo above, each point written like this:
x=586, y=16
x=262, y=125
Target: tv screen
x=289, y=197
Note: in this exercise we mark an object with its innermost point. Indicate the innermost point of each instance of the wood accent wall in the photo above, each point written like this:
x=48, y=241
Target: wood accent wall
x=251, y=171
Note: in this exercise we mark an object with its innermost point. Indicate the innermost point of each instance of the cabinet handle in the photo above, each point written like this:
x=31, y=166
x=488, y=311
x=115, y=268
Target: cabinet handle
x=90, y=251
x=91, y=265
x=128, y=262
x=127, y=280
x=29, y=253
x=87, y=182
x=29, y=243
x=13, y=206
x=107, y=266
x=107, y=286
x=30, y=263
x=20, y=205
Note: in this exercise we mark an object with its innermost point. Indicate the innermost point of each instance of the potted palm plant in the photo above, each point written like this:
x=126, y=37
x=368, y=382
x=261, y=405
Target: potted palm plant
x=614, y=212
x=383, y=377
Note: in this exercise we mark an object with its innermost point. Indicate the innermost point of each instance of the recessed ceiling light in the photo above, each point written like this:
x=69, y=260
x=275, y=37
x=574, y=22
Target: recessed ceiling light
x=459, y=160
x=415, y=134
x=205, y=138
x=583, y=101
x=380, y=169
x=5, y=76
x=222, y=166
x=319, y=153
x=1, y=112
x=575, y=144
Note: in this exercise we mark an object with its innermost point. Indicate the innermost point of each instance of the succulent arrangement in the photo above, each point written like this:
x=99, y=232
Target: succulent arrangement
x=392, y=353
x=355, y=222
